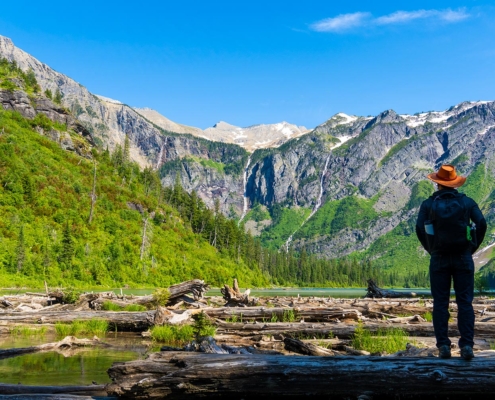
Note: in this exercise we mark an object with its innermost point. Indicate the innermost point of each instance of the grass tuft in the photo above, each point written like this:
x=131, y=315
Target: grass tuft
x=27, y=331
x=109, y=306
x=172, y=334
x=388, y=340
x=95, y=326
x=135, y=307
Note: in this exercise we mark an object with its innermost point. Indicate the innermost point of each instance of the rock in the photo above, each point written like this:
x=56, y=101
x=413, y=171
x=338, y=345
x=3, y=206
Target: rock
x=17, y=101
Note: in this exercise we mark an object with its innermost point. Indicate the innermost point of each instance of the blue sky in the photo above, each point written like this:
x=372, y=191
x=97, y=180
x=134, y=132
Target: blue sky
x=199, y=62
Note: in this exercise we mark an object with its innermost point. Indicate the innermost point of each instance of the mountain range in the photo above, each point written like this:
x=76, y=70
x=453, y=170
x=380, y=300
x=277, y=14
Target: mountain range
x=349, y=187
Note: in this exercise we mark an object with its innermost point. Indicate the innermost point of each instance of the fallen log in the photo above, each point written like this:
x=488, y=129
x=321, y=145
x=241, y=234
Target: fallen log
x=5, y=303
x=43, y=392
x=123, y=321
x=308, y=349
x=64, y=344
x=282, y=313
x=341, y=330
x=189, y=375
x=375, y=292
x=197, y=287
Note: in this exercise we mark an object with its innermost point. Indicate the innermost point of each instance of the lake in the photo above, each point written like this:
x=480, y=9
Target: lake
x=348, y=293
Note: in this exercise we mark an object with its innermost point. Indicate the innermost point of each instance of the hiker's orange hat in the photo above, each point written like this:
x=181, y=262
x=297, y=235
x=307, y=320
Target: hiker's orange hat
x=446, y=176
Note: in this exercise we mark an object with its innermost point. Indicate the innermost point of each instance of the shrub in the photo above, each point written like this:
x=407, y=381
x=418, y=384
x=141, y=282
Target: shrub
x=161, y=296
x=70, y=296
x=202, y=326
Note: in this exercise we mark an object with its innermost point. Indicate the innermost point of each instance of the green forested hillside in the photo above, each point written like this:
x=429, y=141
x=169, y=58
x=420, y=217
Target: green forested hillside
x=45, y=233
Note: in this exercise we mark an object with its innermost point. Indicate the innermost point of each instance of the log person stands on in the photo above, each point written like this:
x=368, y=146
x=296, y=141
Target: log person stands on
x=451, y=227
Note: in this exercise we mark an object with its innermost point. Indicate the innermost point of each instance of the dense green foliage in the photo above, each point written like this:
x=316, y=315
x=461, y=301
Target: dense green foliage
x=420, y=191
x=258, y=213
x=480, y=184
x=285, y=222
x=134, y=238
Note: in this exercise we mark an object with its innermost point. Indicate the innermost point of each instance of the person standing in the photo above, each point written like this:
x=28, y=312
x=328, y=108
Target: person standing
x=451, y=227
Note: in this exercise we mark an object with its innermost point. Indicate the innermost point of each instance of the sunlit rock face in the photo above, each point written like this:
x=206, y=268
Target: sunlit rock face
x=379, y=159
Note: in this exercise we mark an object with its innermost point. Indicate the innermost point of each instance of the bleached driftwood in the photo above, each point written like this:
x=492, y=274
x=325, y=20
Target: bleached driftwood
x=234, y=297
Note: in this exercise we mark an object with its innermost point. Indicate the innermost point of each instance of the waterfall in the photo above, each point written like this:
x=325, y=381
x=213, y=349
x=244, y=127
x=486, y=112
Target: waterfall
x=315, y=208
x=245, y=197
x=159, y=160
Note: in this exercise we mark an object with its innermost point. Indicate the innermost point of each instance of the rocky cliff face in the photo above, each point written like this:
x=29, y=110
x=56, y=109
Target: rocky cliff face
x=380, y=158
x=377, y=161
x=19, y=101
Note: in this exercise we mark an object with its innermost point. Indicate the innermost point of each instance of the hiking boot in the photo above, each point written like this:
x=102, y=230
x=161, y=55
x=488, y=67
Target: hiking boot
x=444, y=351
x=467, y=353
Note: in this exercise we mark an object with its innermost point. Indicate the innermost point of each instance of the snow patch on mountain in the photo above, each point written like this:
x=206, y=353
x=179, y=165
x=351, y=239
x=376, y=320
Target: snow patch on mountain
x=108, y=99
x=436, y=117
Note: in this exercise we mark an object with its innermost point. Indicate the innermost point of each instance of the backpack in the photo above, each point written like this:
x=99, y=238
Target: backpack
x=449, y=215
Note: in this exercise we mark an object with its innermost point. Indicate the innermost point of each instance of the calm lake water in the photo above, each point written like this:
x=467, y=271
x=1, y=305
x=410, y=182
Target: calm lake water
x=75, y=367
x=348, y=293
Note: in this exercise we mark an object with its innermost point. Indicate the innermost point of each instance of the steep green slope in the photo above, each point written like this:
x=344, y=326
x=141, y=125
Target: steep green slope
x=45, y=234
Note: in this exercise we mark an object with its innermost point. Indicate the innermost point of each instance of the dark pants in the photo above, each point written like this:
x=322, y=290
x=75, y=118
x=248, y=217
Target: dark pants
x=460, y=267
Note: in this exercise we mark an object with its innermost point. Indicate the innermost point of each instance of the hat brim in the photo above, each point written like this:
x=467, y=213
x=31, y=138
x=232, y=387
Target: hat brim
x=457, y=182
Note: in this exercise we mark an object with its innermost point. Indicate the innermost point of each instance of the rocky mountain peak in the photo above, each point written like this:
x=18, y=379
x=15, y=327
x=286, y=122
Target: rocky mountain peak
x=224, y=125
x=6, y=42
x=388, y=116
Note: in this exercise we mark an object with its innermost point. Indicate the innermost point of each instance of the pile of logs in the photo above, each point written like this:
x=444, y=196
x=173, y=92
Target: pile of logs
x=254, y=336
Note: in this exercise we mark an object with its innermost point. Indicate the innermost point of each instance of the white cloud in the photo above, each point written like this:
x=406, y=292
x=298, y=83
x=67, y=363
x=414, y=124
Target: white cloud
x=341, y=22
x=345, y=22
x=454, y=16
x=403, y=16
x=406, y=16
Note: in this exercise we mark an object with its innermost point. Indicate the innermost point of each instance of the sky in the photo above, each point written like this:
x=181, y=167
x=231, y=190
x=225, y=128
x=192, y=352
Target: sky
x=247, y=63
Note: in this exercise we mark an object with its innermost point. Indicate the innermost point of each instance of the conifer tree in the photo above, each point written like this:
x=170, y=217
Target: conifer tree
x=20, y=249
x=67, y=246
x=126, y=152
x=58, y=96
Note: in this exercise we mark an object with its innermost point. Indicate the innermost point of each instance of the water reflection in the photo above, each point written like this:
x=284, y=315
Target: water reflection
x=81, y=366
